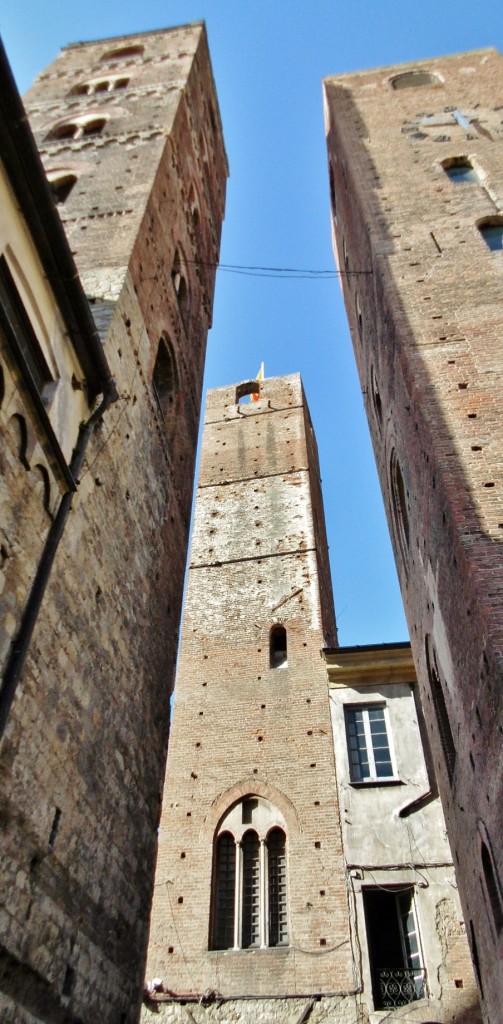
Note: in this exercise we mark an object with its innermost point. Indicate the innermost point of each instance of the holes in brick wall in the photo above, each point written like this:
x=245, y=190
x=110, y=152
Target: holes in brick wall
x=462, y=385
x=322, y=892
x=458, y=983
x=54, y=828
x=193, y=775
x=68, y=981
x=489, y=483
x=476, y=448
x=313, y=764
x=308, y=700
x=309, y=732
x=323, y=942
x=262, y=706
x=316, y=803
x=472, y=415
x=317, y=845
x=183, y=855
x=260, y=739
x=189, y=814
x=180, y=899
x=171, y=949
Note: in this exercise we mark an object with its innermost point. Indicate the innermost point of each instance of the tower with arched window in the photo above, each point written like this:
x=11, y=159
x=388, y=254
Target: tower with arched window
x=249, y=894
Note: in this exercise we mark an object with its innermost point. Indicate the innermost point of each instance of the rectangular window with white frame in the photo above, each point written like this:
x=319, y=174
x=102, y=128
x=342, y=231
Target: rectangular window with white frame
x=370, y=751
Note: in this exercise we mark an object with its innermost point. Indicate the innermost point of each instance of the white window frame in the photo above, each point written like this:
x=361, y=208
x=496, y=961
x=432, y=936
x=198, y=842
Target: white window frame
x=372, y=779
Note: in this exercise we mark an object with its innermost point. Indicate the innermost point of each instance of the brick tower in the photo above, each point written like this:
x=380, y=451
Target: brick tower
x=416, y=181
x=250, y=896
x=129, y=132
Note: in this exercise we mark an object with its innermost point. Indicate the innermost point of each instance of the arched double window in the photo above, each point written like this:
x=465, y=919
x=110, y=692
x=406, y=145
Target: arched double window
x=249, y=878
x=78, y=128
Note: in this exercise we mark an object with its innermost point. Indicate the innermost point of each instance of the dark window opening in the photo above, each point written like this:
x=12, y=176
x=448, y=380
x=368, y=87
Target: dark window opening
x=250, y=927
x=165, y=381
x=278, y=654
x=376, y=396
x=399, y=499
x=333, y=198
x=123, y=52
x=224, y=892
x=460, y=169
x=398, y=977
x=492, y=233
x=18, y=327
x=492, y=887
x=278, y=926
x=62, y=186
x=440, y=707
x=475, y=956
x=249, y=389
x=93, y=127
x=412, y=79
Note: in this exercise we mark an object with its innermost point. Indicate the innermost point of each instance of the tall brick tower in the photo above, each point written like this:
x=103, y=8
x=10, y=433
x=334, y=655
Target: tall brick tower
x=130, y=135
x=250, y=897
x=416, y=181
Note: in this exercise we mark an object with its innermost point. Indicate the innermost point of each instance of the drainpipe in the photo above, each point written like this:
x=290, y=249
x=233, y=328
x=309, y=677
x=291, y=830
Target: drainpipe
x=20, y=646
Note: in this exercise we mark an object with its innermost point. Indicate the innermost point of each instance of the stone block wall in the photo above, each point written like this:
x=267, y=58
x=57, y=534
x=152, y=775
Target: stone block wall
x=82, y=759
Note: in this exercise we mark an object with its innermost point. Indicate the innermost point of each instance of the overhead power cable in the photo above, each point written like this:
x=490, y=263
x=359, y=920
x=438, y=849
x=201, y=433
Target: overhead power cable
x=294, y=273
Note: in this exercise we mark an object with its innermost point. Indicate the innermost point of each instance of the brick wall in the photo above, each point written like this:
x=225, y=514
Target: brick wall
x=241, y=728
x=423, y=296
x=82, y=759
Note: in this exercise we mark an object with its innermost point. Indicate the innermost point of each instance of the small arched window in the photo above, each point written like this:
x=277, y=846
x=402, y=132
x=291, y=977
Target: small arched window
x=492, y=885
x=61, y=186
x=249, y=900
x=400, y=506
x=248, y=389
x=278, y=654
x=165, y=382
x=460, y=169
x=413, y=79
x=491, y=229
x=123, y=53
x=440, y=708
x=179, y=279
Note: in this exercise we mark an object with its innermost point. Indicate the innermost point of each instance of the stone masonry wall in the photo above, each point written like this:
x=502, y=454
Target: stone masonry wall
x=82, y=758
x=423, y=296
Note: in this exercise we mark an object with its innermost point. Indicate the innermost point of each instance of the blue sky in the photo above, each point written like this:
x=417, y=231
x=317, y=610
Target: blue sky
x=269, y=57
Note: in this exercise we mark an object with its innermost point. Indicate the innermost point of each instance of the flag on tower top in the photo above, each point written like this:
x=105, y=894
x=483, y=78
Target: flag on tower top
x=255, y=397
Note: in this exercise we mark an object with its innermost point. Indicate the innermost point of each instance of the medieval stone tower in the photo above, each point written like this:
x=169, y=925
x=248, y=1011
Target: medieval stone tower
x=416, y=182
x=129, y=132
x=250, y=897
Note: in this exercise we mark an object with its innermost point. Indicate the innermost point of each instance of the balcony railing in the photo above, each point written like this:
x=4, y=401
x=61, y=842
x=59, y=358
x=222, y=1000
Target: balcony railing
x=397, y=986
